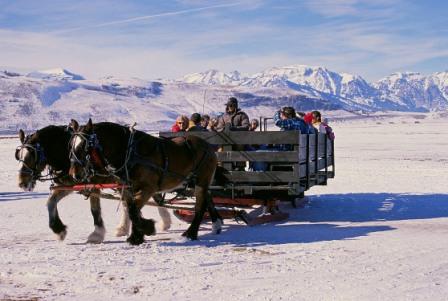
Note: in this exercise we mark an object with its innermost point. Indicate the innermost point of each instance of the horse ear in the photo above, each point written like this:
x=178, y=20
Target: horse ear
x=89, y=125
x=21, y=135
x=74, y=125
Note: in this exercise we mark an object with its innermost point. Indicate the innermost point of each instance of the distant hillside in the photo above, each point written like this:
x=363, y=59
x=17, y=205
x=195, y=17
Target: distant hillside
x=55, y=96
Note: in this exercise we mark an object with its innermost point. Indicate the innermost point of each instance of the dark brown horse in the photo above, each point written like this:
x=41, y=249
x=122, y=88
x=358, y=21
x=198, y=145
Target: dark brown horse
x=148, y=165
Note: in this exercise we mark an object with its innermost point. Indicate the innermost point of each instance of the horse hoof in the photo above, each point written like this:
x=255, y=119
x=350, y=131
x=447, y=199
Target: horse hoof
x=147, y=226
x=61, y=235
x=190, y=236
x=217, y=226
x=121, y=231
x=58, y=228
x=97, y=236
x=135, y=239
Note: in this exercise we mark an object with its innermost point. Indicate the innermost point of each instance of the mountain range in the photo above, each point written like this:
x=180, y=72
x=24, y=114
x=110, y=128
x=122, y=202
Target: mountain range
x=407, y=91
x=55, y=96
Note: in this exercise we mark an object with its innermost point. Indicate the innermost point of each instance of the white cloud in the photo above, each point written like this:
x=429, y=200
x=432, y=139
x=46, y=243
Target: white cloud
x=359, y=8
x=148, y=17
x=331, y=8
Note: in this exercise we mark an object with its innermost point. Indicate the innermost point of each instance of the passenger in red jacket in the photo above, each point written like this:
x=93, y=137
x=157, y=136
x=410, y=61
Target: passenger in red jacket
x=181, y=124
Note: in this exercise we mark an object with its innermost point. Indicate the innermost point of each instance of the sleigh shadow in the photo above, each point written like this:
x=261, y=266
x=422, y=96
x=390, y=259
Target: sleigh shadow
x=369, y=207
x=320, y=219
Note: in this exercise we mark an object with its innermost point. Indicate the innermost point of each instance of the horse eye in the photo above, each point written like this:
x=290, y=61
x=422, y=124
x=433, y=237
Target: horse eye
x=17, y=154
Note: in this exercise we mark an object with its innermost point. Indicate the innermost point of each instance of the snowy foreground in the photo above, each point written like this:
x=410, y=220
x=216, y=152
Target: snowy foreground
x=378, y=231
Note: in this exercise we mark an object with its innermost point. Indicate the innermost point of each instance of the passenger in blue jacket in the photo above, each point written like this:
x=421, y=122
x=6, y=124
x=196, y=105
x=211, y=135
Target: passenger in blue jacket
x=287, y=120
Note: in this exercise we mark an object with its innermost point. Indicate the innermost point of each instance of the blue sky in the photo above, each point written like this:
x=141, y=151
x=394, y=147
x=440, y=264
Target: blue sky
x=167, y=39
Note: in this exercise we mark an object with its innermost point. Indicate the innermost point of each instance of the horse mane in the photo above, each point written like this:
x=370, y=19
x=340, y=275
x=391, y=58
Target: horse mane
x=114, y=139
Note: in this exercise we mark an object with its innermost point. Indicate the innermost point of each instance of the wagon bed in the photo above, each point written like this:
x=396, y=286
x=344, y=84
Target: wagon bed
x=309, y=162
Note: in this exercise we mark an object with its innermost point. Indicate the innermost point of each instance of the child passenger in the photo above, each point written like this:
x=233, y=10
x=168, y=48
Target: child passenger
x=321, y=126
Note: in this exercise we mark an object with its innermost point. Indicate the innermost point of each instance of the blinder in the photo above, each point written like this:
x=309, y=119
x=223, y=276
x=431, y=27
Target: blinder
x=17, y=154
x=90, y=157
x=37, y=150
x=91, y=143
x=39, y=159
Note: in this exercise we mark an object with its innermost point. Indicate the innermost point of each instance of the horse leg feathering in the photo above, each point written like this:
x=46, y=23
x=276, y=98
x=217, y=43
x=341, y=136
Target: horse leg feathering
x=125, y=223
x=97, y=236
x=199, y=208
x=163, y=212
x=54, y=221
x=140, y=225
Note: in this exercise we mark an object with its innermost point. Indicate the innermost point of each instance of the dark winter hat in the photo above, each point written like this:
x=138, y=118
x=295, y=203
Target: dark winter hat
x=196, y=118
x=289, y=112
x=232, y=101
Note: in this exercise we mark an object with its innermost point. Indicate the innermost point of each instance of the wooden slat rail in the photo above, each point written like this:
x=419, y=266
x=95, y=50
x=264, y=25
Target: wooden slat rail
x=242, y=137
x=264, y=156
x=261, y=177
x=307, y=163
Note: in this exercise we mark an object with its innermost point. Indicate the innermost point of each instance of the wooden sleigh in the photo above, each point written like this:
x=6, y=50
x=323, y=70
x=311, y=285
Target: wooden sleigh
x=254, y=196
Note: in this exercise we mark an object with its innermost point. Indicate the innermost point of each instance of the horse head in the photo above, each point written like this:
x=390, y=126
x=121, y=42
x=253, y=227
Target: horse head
x=31, y=157
x=82, y=150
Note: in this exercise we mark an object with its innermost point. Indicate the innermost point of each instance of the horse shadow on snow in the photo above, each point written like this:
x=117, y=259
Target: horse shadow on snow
x=328, y=217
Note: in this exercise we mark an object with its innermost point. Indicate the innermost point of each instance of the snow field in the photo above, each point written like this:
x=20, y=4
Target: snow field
x=378, y=231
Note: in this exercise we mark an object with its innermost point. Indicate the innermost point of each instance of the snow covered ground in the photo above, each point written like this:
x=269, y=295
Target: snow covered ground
x=378, y=231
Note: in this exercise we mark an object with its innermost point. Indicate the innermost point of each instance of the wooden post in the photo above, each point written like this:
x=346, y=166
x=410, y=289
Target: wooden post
x=316, y=158
x=326, y=158
x=307, y=161
x=296, y=167
x=227, y=147
x=332, y=157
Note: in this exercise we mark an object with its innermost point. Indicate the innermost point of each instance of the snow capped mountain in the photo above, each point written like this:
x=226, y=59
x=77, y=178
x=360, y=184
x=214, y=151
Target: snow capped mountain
x=125, y=87
x=56, y=96
x=213, y=77
x=55, y=74
x=7, y=73
x=399, y=91
x=315, y=80
x=417, y=91
x=318, y=78
x=354, y=86
x=440, y=79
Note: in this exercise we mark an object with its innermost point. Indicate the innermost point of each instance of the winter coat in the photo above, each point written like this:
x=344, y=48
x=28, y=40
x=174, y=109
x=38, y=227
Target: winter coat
x=292, y=124
x=175, y=128
x=238, y=121
x=197, y=128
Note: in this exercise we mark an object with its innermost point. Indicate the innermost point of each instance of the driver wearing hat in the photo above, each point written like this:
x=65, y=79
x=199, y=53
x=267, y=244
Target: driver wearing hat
x=233, y=117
